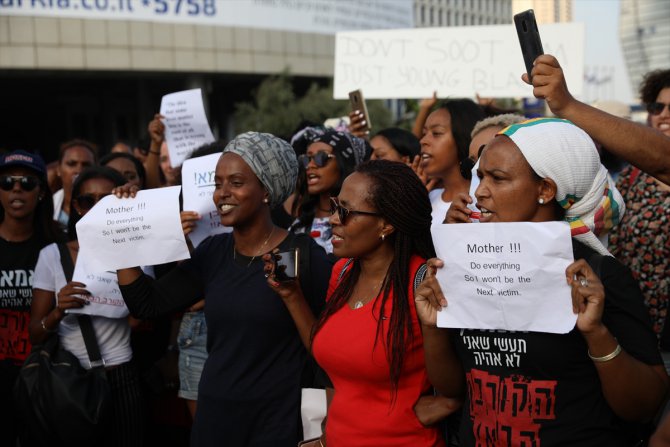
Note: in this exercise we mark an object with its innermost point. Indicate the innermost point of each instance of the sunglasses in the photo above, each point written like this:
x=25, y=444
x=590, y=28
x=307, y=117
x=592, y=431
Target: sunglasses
x=26, y=182
x=88, y=201
x=656, y=108
x=343, y=213
x=320, y=159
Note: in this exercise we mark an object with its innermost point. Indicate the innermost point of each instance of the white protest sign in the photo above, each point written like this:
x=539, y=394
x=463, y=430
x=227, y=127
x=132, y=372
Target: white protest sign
x=455, y=62
x=186, y=126
x=121, y=233
x=508, y=276
x=105, y=299
x=197, y=178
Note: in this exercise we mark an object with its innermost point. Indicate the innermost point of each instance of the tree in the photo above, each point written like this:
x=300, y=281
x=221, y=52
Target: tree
x=275, y=109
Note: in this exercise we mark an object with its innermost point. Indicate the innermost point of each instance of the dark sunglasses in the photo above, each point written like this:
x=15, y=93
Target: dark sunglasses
x=26, y=182
x=88, y=201
x=343, y=213
x=320, y=159
x=656, y=108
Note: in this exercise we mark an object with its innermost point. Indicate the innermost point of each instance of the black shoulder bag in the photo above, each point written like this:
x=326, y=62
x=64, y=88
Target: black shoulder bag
x=59, y=400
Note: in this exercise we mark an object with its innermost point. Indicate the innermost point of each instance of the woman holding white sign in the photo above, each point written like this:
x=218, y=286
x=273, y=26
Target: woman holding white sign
x=249, y=391
x=54, y=295
x=597, y=384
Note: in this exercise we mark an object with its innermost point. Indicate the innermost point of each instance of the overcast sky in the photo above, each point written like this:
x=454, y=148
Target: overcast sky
x=605, y=70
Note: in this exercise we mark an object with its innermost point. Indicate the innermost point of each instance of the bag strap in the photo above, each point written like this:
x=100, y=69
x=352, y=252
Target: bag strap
x=85, y=323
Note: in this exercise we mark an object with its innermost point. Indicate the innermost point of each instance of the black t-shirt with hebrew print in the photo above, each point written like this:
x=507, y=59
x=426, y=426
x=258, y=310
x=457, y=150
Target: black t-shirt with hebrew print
x=541, y=389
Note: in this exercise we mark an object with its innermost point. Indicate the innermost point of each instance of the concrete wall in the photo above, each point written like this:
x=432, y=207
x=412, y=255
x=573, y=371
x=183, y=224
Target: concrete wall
x=83, y=44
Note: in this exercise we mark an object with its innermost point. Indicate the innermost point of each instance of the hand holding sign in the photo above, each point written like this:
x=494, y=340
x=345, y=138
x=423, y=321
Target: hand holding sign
x=198, y=182
x=119, y=233
x=508, y=276
x=186, y=125
x=428, y=297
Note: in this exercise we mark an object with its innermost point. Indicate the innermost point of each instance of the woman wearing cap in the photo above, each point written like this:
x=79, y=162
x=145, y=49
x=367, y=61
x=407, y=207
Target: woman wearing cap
x=54, y=295
x=331, y=156
x=249, y=393
x=26, y=226
x=583, y=388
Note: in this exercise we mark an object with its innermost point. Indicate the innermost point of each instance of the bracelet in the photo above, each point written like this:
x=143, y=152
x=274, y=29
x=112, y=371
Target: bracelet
x=44, y=326
x=608, y=357
x=155, y=152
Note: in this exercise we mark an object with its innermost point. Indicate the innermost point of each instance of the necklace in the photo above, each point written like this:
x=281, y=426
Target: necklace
x=375, y=290
x=259, y=250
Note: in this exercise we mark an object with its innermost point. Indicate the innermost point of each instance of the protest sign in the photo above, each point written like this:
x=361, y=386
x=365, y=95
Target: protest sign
x=197, y=178
x=186, y=126
x=105, y=299
x=121, y=233
x=454, y=61
x=508, y=276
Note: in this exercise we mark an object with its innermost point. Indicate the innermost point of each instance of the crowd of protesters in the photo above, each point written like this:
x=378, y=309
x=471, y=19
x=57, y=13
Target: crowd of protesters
x=237, y=343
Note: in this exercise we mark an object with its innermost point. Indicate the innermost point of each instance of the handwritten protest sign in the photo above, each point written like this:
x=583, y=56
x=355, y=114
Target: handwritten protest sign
x=454, y=61
x=120, y=233
x=186, y=126
x=197, y=176
x=105, y=299
x=507, y=276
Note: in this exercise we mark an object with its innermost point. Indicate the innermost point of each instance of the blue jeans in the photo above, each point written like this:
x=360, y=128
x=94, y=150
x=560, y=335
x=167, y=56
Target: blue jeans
x=192, y=341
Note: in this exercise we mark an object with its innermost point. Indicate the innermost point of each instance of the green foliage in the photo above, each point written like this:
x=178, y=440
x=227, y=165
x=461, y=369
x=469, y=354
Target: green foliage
x=276, y=110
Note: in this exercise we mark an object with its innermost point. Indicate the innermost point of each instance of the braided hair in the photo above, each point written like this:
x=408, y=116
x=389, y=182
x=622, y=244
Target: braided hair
x=402, y=200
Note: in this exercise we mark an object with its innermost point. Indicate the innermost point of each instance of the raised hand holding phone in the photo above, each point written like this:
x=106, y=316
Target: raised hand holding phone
x=529, y=38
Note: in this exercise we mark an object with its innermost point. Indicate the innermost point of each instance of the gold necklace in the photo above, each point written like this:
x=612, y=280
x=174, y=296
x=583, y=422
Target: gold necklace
x=259, y=250
x=376, y=290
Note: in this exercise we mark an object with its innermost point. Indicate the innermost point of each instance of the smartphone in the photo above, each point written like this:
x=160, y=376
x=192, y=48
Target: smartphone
x=529, y=38
x=358, y=103
x=286, y=265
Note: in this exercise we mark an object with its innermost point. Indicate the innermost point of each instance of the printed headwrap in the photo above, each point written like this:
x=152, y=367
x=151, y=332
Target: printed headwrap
x=305, y=136
x=354, y=150
x=561, y=151
x=272, y=160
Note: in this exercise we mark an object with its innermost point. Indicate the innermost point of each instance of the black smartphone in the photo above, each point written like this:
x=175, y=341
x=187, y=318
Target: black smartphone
x=529, y=38
x=358, y=103
x=286, y=265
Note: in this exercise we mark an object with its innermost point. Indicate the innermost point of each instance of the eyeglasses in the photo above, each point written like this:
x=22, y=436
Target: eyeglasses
x=343, y=213
x=320, y=159
x=88, y=201
x=656, y=108
x=26, y=182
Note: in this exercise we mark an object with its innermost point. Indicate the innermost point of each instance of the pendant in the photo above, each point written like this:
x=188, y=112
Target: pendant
x=358, y=304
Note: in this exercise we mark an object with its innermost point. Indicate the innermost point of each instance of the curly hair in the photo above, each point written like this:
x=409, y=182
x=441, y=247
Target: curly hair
x=394, y=186
x=652, y=84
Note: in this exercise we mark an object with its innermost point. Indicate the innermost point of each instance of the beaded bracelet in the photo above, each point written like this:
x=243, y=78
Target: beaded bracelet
x=608, y=357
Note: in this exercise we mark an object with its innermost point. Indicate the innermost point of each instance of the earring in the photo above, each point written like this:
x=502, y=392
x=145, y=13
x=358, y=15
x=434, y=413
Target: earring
x=382, y=236
x=540, y=201
x=265, y=200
